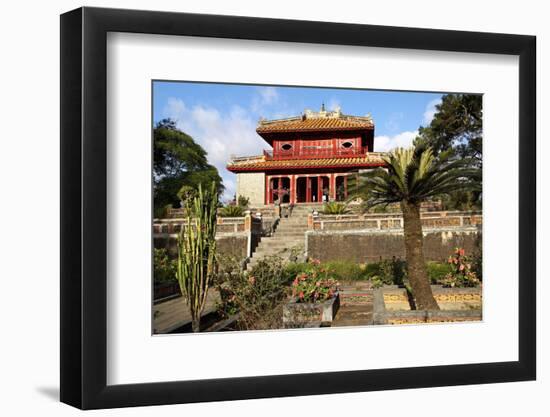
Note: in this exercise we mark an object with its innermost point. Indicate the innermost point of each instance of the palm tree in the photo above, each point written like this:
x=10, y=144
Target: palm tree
x=411, y=176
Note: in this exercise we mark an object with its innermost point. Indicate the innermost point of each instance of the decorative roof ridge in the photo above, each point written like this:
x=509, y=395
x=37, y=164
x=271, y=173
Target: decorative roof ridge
x=322, y=114
x=263, y=122
x=245, y=160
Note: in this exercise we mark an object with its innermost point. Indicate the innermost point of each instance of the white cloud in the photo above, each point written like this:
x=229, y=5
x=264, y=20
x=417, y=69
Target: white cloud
x=220, y=134
x=401, y=140
x=333, y=104
x=430, y=111
x=394, y=120
x=265, y=97
x=269, y=95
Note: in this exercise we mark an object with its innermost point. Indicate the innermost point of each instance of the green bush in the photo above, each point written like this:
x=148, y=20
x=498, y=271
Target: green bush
x=231, y=211
x=164, y=269
x=162, y=212
x=243, y=201
x=346, y=271
x=294, y=268
x=334, y=207
x=372, y=269
x=437, y=271
x=386, y=272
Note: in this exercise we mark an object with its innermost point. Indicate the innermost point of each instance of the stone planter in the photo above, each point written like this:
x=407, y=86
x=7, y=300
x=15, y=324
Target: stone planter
x=391, y=306
x=302, y=315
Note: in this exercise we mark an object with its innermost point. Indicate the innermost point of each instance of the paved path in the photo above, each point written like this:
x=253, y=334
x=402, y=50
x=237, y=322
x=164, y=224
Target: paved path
x=172, y=314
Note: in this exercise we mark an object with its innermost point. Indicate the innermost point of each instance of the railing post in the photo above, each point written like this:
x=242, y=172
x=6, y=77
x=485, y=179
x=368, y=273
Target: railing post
x=247, y=221
x=310, y=221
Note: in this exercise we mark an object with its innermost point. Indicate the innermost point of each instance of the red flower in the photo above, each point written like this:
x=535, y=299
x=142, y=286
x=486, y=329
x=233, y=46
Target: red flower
x=301, y=295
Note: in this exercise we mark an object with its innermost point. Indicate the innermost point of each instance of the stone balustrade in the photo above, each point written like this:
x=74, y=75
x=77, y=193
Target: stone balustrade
x=385, y=221
x=236, y=236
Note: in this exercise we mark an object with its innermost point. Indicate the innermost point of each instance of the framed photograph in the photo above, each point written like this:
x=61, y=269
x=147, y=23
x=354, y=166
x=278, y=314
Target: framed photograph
x=257, y=208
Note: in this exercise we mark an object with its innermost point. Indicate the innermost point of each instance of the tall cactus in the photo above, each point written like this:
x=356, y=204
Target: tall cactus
x=197, y=251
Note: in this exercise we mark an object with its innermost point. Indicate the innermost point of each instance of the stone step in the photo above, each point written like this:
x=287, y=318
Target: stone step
x=289, y=234
x=294, y=221
x=289, y=227
x=272, y=249
x=283, y=240
x=279, y=246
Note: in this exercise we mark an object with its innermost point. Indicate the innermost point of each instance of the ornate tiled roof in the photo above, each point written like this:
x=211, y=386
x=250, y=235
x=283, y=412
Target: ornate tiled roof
x=316, y=121
x=262, y=163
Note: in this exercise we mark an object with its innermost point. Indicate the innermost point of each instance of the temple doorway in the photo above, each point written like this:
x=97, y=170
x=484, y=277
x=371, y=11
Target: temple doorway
x=280, y=190
x=314, y=190
x=324, y=191
x=341, y=188
x=301, y=189
x=311, y=189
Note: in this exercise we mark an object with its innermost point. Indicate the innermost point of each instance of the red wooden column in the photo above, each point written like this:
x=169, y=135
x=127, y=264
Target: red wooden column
x=346, y=187
x=267, y=190
x=332, y=187
x=319, y=189
x=308, y=190
x=279, y=189
x=293, y=189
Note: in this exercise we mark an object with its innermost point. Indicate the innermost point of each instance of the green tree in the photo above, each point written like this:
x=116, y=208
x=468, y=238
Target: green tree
x=411, y=176
x=457, y=126
x=178, y=161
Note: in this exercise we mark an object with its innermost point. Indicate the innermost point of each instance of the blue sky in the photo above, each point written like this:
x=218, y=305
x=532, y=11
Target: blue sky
x=222, y=118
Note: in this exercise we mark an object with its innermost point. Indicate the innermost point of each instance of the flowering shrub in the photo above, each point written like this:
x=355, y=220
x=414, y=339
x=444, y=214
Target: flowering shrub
x=257, y=296
x=314, y=285
x=462, y=274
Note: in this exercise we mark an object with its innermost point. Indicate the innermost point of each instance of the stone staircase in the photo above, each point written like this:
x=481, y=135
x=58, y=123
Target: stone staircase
x=289, y=234
x=356, y=306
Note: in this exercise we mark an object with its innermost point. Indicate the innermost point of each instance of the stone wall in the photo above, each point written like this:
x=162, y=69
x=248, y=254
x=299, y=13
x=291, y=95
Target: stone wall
x=372, y=245
x=235, y=244
x=235, y=236
x=252, y=186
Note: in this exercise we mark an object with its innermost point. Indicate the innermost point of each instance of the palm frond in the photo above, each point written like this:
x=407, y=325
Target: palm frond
x=414, y=175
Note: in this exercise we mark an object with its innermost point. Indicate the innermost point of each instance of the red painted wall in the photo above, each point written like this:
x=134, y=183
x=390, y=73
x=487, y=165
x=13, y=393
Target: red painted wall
x=316, y=146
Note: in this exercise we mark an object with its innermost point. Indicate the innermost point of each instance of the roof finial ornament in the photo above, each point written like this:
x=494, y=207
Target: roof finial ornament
x=323, y=106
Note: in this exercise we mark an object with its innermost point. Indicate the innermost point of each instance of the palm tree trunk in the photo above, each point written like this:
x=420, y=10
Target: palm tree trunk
x=416, y=266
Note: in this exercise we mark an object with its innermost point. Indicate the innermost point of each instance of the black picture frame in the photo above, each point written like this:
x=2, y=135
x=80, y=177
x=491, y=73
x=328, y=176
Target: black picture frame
x=84, y=207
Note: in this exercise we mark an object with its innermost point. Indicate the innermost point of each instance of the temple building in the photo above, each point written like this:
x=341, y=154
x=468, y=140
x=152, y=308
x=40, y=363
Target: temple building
x=311, y=158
